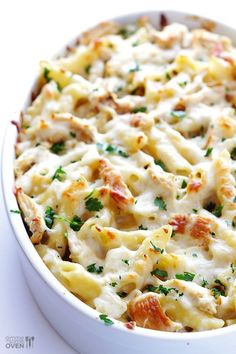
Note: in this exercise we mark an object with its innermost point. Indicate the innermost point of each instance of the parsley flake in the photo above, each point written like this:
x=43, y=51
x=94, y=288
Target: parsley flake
x=76, y=223
x=157, y=249
x=46, y=74
x=141, y=227
x=160, y=203
x=184, y=184
x=185, y=276
x=59, y=173
x=93, y=204
x=91, y=268
x=139, y=109
x=161, y=164
x=58, y=148
x=159, y=273
x=49, y=217
x=15, y=211
x=208, y=152
x=107, y=321
x=126, y=261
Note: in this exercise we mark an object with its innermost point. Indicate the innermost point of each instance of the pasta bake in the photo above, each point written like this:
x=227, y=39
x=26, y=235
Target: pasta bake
x=125, y=174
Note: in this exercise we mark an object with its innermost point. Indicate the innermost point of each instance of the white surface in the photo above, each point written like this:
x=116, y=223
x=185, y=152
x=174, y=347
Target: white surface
x=30, y=31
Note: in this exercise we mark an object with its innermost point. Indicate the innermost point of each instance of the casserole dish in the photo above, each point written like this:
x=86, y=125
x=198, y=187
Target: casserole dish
x=75, y=321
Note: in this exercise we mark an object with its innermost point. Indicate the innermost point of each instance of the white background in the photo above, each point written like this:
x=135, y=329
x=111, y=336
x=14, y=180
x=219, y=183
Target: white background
x=30, y=31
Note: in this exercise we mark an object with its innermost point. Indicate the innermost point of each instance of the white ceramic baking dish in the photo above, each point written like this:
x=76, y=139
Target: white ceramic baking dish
x=76, y=322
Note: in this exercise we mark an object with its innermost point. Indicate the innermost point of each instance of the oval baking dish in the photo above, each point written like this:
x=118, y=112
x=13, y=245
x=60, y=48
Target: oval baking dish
x=75, y=321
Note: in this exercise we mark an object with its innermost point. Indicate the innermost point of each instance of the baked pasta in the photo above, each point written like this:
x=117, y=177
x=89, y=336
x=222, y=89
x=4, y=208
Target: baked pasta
x=125, y=174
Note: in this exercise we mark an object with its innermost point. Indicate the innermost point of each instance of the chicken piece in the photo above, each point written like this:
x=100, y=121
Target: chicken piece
x=146, y=311
x=32, y=216
x=118, y=189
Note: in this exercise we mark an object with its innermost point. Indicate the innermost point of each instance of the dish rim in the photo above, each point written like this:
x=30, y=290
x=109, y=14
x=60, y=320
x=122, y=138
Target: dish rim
x=19, y=230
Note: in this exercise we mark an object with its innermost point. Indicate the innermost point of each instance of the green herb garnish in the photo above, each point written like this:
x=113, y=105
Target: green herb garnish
x=233, y=153
x=15, y=211
x=59, y=174
x=157, y=249
x=58, y=148
x=91, y=268
x=208, y=152
x=161, y=164
x=159, y=273
x=141, y=227
x=107, y=321
x=87, y=68
x=185, y=276
x=46, y=74
x=122, y=294
x=160, y=203
x=139, y=109
x=126, y=261
x=113, y=284
x=93, y=204
x=49, y=217
x=184, y=184
x=204, y=283
x=76, y=223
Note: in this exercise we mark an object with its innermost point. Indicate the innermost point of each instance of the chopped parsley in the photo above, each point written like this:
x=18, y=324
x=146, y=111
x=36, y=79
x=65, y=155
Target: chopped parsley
x=218, y=211
x=91, y=268
x=178, y=114
x=49, y=217
x=59, y=174
x=76, y=223
x=141, y=227
x=126, y=32
x=195, y=211
x=88, y=68
x=204, y=283
x=216, y=292
x=184, y=184
x=194, y=255
x=233, y=153
x=168, y=76
x=185, y=276
x=160, y=203
x=139, y=109
x=15, y=211
x=112, y=149
x=58, y=148
x=72, y=134
x=208, y=152
x=113, y=284
x=233, y=268
x=126, y=261
x=93, y=204
x=107, y=321
x=46, y=74
x=161, y=289
x=135, y=68
x=215, y=210
x=157, y=249
x=161, y=164
x=122, y=294
x=159, y=273
x=183, y=84
x=234, y=200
